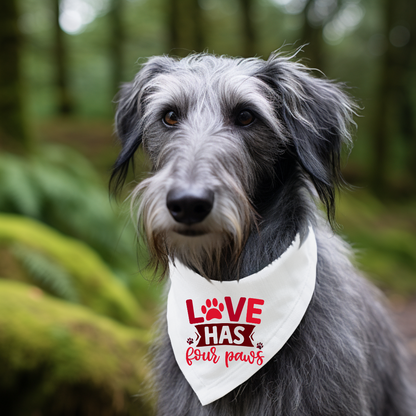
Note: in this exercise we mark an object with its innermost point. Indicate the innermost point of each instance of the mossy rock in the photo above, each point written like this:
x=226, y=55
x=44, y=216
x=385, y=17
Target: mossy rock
x=92, y=282
x=58, y=358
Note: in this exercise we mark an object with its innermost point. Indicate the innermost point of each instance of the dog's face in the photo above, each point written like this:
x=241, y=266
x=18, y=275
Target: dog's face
x=214, y=128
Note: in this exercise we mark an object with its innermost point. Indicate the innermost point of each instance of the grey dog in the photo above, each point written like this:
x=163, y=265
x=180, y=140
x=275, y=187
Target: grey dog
x=241, y=152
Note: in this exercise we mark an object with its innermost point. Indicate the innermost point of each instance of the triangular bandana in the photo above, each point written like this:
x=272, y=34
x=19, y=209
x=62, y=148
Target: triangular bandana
x=224, y=332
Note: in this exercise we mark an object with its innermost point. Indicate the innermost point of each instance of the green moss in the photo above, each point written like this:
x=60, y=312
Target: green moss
x=60, y=188
x=94, y=283
x=50, y=350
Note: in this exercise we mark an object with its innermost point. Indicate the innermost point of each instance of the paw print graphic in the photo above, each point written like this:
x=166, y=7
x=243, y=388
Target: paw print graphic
x=259, y=345
x=190, y=341
x=212, y=309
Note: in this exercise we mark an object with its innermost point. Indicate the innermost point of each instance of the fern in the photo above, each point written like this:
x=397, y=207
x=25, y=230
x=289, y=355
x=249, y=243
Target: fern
x=45, y=273
x=59, y=187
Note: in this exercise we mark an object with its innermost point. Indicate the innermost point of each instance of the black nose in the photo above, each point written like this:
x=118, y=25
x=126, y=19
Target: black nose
x=189, y=206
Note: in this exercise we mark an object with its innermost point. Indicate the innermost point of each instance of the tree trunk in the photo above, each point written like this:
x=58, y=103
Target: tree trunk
x=65, y=104
x=385, y=96
x=311, y=36
x=197, y=16
x=173, y=25
x=13, y=132
x=249, y=37
x=116, y=45
x=408, y=91
x=186, y=27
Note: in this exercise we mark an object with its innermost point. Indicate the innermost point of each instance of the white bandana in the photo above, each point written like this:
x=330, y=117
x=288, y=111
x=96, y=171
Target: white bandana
x=224, y=332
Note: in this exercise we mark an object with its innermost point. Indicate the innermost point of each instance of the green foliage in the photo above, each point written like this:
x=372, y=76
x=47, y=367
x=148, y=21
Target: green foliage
x=384, y=238
x=45, y=273
x=62, y=359
x=59, y=187
x=80, y=271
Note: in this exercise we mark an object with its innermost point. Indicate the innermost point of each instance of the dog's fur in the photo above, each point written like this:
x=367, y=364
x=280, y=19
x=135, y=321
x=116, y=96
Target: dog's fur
x=345, y=357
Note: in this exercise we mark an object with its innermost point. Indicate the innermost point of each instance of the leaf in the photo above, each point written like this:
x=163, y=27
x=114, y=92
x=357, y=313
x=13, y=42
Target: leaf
x=46, y=273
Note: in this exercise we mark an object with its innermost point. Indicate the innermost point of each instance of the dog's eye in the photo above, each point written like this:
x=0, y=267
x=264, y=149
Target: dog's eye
x=244, y=118
x=170, y=118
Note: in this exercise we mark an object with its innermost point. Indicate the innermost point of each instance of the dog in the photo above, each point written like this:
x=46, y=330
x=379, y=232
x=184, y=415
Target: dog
x=242, y=152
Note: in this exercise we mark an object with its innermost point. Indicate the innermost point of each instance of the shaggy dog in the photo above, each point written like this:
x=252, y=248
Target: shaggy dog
x=241, y=152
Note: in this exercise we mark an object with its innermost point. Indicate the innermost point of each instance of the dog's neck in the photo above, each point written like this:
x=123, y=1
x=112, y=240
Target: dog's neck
x=284, y=208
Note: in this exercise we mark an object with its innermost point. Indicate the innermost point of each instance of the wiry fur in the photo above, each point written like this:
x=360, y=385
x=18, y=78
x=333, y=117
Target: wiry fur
x=345, y=357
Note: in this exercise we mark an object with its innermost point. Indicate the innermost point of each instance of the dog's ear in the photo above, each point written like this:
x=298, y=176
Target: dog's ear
x=129, y=116
x=317, y=116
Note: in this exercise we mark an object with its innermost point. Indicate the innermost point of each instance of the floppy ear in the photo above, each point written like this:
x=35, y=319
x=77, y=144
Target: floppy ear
x=129, y=116
x=317, y=115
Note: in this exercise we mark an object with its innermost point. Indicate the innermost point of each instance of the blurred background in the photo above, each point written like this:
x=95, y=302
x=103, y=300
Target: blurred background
x=76, y=300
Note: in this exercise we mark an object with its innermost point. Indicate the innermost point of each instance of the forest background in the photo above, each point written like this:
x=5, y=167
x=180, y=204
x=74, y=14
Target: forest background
x=76, y=300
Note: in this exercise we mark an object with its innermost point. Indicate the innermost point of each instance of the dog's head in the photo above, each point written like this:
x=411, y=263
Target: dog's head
x=215, y=129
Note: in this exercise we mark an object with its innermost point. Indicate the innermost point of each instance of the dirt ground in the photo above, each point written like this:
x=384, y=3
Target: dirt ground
x=404, y=314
